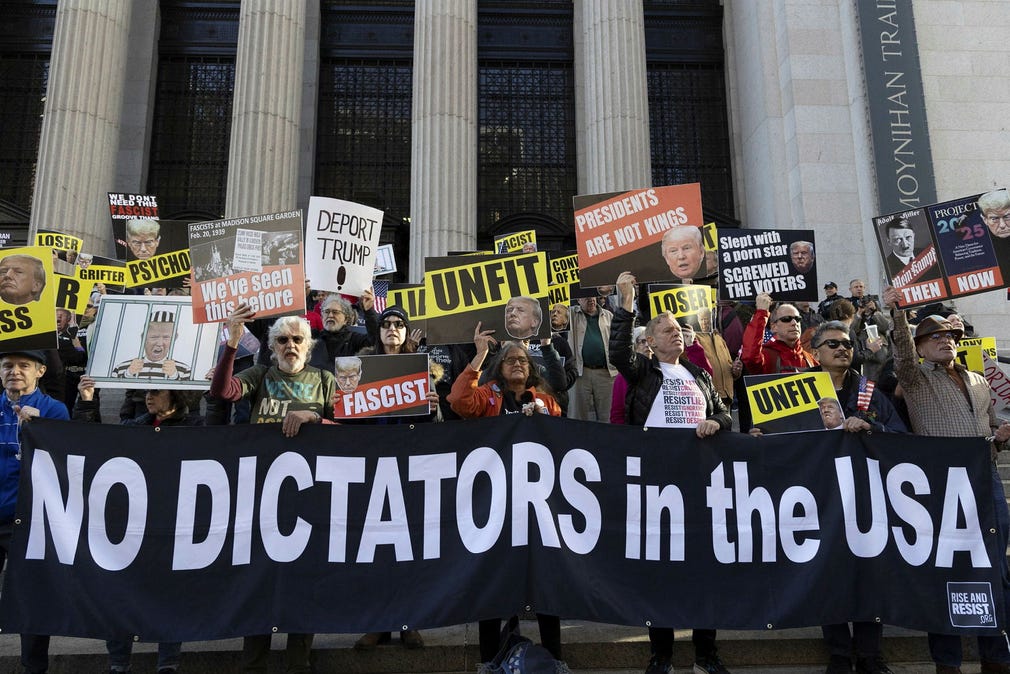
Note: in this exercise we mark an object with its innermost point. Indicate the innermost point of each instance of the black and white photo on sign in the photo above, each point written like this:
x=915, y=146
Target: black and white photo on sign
x=150, y=342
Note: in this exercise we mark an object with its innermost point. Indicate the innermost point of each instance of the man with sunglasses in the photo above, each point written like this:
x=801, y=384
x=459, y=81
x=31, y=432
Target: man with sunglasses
x=784, y=353
x=946, y=399
x=833, y=348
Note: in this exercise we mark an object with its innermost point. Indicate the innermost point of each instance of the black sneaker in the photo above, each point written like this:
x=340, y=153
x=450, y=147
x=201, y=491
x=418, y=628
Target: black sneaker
x=872, y=666
x=839, y=664
x=659, y=665
x=709, y=664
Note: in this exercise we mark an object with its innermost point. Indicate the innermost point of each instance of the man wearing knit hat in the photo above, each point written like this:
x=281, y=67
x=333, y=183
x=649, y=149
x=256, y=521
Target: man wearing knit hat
x=156, y=362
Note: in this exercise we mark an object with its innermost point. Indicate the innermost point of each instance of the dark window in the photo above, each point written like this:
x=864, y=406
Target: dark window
x=527, y=142
x=23, y=79
x=363, y=139
x=689, y=131
x=189, y=141
x=688, y=120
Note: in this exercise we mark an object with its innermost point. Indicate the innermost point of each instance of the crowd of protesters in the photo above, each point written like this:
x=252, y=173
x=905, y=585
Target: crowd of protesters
x=605, y=360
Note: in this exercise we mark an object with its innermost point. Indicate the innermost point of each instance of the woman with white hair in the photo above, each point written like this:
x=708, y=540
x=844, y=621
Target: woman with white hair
x=641, y=345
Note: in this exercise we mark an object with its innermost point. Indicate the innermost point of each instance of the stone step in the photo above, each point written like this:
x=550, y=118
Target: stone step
x=588, y=647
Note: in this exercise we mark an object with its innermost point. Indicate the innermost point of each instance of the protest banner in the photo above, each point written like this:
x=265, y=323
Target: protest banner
x=143, y=342
x=72, y=293
x=393, y=385
x=563, y=268
x=410, y=297
x=156, y=251
x=256, y=260
x=190, y=534
x=505, y=293
x=341, y=239
x=970, y=350
x=385, y=260
x=780, y=262
x=785, y=403
x=132, y=207
x=516, y=242
x=999, y=382
x=946, y=250
x=27, y=298
x=688, y=303
x=97, y=269
x=638, y=231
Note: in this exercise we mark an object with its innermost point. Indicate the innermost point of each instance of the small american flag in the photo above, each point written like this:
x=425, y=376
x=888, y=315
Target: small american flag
x=380, y=288
x=865, y=393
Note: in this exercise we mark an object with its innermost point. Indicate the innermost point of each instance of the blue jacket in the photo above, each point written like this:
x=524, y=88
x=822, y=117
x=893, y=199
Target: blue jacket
x=10, y=444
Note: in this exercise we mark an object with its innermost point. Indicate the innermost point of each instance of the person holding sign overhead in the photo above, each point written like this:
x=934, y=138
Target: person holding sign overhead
x=651, y=383
x=946, y=399
x=784, y=353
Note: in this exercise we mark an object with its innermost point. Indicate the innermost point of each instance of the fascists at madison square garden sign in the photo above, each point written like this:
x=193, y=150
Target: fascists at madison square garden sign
x=187, y=534
x=949, y=249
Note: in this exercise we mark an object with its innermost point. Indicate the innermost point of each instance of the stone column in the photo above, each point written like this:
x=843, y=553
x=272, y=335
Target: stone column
x=80, y=131
x=266, y=111
x=612, y=116
x=443, y=164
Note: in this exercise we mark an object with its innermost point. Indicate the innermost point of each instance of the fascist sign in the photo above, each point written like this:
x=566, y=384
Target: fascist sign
x=517, y=242
x=381, y=386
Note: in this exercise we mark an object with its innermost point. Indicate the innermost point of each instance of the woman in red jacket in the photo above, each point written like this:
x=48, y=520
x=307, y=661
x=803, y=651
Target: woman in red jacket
x=515, y=388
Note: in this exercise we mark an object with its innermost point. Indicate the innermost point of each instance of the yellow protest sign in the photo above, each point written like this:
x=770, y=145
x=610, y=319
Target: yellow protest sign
x=484, y=283
x=517, y=242
x=779, y=397
x=564, y=269
x=27, y=298
x=158, y=268
x=681, y=300
x=969, y=352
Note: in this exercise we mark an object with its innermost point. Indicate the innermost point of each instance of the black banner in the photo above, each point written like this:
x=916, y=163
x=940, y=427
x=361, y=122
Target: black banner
x=207, y=533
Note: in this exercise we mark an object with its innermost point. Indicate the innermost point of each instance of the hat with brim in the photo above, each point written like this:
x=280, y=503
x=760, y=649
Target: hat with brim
x=935, y=323
x=38, y=356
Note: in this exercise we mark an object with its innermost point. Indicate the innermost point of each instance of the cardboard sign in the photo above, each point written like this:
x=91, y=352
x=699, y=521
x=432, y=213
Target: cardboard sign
x=691, y=302
x=385, y=260
x=27, y=298
x=949, y=249
x=642, y=231
x=72, y=293
x=505, y=293
x=256, y=260
x=150, y=343
x=97, y=269
x=780, y=262
x=785, y=403
x=970, y=350
x=341, y=239
x=517, y=242
x=381, y=386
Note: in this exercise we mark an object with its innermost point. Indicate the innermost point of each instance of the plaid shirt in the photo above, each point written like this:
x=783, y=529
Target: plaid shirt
x=936, y=404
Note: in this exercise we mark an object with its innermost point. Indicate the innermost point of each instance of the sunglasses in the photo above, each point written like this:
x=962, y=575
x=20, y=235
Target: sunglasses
x=283, y=339
x=393, y=325
x=788, y=319
x=946, y=334
x=835, y=343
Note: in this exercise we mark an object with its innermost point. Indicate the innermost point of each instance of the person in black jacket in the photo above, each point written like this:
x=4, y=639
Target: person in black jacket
x=337, y=338
x=165, y=407
x=679, y=380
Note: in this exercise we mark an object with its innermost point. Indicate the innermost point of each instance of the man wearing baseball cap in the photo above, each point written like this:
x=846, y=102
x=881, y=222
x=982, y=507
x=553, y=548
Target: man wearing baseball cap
x=946, y=399
x=830, y=297
x=21, y=401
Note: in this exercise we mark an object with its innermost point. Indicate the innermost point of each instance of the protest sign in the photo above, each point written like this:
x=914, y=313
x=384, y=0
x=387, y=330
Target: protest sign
x=641, y=231
x=6, y=237
x=688, y=303
x=27, y=298
x=949, y=249
x=181, y=532
x=780, y=262
x=562, y=277
x=256, y=260
x=97, y=269
x=505, y=293
x=150, y=342
x=970, y=350
x=999, y=382
x=381, y=386
x=72, y=293
x=385, y=260
x=58, y=241
x=516, y=242
x=156, y=251
x=132, y=207
x=341, y=238
x=785, y=403
x=409, y=297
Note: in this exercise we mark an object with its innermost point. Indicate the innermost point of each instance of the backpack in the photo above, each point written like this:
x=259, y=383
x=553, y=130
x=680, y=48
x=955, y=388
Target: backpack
x=519, y=655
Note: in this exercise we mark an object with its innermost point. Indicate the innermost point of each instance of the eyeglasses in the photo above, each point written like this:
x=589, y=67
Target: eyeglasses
x=835, y=343
x=517, y=360
x=332, y=312
x=393, y=325
x=788, y=319
x=283, y=339
x=945, y=334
